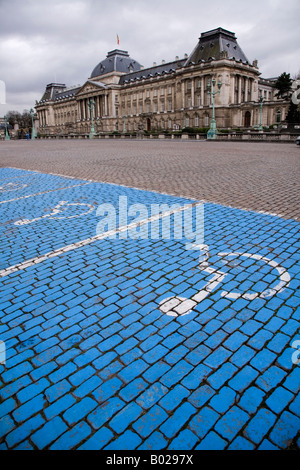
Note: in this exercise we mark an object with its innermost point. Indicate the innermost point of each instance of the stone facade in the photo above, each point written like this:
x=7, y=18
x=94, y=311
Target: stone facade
x=170, y=96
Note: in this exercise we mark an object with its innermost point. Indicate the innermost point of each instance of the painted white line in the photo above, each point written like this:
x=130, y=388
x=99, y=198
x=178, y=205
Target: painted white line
x=103, y=236
x=44, y=192
x=32, y=173
x=191, y=198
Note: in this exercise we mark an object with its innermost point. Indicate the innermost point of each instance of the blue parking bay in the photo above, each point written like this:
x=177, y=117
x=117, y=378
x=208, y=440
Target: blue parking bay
x=140, y=343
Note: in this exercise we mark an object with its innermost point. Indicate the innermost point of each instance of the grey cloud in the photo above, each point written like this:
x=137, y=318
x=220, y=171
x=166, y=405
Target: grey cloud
x=63, y=40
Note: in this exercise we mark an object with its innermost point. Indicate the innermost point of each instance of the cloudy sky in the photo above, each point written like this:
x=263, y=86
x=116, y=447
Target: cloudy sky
x=63, y=40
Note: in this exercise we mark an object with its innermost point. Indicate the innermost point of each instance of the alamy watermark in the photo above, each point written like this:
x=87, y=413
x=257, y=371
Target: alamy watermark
x=2, y=353
x=296, y=354
x=157, y=222
x=296, y=93
x=2, y=92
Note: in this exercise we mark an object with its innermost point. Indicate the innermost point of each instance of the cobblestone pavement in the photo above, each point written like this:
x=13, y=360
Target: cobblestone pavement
x=125, y=342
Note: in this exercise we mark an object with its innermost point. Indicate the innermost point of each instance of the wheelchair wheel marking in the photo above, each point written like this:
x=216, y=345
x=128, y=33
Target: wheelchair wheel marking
x=12, y=187
x=56, y=210
x=180, y=306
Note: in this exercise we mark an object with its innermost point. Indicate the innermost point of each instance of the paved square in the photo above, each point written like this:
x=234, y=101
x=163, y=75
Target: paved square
x=122, y=343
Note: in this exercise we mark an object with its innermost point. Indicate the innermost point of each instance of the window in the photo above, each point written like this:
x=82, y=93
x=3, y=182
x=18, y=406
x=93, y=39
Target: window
x=162, y=106
x=196, y=121
x=278, y=115
x=170, y=105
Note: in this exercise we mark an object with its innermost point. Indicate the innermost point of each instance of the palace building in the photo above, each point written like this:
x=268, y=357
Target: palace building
x=121, y=95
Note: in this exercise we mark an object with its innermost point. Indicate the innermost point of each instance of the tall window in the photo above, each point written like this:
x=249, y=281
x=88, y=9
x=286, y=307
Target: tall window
x=278, y=115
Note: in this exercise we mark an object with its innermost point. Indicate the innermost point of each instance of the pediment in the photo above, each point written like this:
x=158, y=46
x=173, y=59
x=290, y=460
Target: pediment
x=90, y=87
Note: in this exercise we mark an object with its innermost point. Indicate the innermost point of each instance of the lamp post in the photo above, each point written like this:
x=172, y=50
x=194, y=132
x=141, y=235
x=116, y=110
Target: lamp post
x=91, y=105
x=261, y=102
x=33, y=135
x=6, y=131
x=211, y=134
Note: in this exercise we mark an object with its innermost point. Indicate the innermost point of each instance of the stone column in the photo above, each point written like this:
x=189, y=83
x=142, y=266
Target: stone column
x=105, y=105
x=202, y=91
x=98, y=106
x=246, y=89
x=240, y=89
x=183, y=94
x=193, y=92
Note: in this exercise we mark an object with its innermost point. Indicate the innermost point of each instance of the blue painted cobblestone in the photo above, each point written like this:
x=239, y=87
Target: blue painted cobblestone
x=91, y=361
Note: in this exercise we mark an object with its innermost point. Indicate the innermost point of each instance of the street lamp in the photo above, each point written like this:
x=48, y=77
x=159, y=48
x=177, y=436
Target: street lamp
x=211, y=134
x=261, y=102
x=91, y=105
x=33, y=135
x=6, y=131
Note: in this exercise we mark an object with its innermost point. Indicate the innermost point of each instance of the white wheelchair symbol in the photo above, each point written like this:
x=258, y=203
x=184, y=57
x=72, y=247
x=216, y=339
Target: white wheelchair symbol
x=179, y=306
x=61, y=207
x=12, y=187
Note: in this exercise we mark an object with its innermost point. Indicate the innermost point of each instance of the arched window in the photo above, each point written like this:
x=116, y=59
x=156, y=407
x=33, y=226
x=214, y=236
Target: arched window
x=278, y=115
